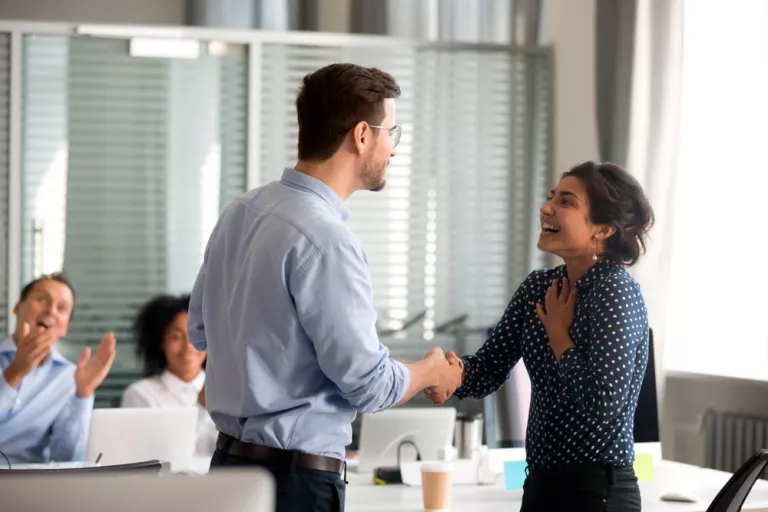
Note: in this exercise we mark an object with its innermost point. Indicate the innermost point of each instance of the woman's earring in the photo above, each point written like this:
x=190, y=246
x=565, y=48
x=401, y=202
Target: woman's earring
x=594, y=249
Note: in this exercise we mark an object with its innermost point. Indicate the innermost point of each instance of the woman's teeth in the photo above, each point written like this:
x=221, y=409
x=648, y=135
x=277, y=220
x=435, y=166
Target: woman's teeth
x=550, y=228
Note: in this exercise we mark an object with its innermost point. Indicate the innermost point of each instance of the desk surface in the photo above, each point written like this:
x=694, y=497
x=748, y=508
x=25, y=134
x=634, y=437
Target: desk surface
x=669, y=477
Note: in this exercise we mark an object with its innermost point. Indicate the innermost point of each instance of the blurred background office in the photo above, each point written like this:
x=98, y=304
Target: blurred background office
x=122, y=137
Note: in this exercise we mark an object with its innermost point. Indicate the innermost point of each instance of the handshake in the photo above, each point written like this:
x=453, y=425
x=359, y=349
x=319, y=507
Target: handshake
x=445, y=375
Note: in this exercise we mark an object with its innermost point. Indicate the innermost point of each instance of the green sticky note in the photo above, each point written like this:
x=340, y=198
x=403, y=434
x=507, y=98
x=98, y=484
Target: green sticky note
x=643, y=466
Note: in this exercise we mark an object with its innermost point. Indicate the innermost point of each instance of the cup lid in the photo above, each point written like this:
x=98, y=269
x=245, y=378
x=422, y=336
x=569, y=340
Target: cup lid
x=437, y=467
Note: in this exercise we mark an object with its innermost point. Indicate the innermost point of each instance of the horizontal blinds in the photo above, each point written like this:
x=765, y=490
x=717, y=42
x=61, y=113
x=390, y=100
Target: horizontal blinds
x=115, y=248
x=451, y=233
x=5, y=92
x=233, y=121
x=127, y=163
x=44, y=158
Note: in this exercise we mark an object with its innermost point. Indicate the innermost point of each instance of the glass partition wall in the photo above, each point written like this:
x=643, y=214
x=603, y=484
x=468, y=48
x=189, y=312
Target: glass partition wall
x=125, y=148
x=124, y=171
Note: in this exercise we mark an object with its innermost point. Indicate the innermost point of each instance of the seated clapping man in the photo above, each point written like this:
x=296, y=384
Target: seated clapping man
x=46, y=400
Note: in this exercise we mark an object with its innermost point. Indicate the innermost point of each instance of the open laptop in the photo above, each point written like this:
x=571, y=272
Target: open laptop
x=226, y=490
x=126, y=435
x=430, y=429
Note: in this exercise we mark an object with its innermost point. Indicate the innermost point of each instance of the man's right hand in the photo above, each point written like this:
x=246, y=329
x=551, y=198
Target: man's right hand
x=33, y=347
x=440, y=393
x=433, y=371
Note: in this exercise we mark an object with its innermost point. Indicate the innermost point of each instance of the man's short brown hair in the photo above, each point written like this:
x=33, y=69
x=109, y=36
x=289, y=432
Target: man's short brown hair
x=334, y=99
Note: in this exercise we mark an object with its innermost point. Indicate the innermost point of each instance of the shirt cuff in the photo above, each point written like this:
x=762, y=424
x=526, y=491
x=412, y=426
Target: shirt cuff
x=401, y=374
x=569, y=360
x=467, y=382
x=81, y=406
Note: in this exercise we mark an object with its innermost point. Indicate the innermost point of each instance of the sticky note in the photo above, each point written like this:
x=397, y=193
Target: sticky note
x=514, y=474
x=644, y=466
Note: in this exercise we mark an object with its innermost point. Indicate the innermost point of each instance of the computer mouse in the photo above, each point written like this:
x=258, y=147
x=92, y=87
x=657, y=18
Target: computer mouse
x=677, y=498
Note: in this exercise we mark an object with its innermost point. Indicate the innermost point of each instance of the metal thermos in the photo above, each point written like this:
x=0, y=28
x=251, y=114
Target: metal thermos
x=468, y=436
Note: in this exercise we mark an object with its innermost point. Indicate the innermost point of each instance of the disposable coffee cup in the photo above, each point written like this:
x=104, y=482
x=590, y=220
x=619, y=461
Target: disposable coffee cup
x=436, y=481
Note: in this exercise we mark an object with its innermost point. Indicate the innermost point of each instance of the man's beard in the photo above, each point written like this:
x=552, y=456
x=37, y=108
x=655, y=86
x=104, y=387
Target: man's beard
x=374, y=181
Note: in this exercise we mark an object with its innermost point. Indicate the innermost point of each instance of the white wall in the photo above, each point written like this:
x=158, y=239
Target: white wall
x=152, y=12
x=688, y=396
x=569, y=26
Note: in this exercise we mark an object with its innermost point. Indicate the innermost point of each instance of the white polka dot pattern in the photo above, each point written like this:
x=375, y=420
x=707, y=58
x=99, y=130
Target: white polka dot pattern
x=582, y=407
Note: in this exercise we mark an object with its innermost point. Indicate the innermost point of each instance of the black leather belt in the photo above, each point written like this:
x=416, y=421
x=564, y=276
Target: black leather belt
x=276, y=457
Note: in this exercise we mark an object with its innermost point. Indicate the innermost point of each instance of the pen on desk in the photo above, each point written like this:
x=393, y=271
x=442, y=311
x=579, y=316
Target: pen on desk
x=98, y=458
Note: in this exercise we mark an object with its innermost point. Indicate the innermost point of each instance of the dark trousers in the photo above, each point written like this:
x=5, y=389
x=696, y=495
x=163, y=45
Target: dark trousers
x=586, y=488
x=298, y=489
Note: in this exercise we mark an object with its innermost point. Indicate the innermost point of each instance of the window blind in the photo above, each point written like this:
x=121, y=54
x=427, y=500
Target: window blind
x=127, y=163
x=451, y=233
x=115, y=244
x=5, y=92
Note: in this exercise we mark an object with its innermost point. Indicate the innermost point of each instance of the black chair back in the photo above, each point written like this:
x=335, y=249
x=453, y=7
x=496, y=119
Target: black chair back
x=647, y=412
x=732, y=496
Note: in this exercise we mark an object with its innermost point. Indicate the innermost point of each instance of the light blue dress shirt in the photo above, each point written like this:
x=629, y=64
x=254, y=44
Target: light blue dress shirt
x=283, y=304
x=42, y=420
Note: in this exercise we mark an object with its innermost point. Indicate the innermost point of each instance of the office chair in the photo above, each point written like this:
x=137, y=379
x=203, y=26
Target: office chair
x=732, y=496
x=647, y=412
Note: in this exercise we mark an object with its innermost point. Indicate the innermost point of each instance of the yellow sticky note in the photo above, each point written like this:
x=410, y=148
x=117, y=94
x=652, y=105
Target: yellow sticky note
x=643, y=466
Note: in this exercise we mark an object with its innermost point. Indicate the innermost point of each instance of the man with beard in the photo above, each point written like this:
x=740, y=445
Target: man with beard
x=283, y=301
x=45, y=400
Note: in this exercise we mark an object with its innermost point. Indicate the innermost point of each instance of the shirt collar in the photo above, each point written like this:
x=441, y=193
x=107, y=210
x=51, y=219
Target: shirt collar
x=594, y=274
x=8, y=346
x=296, y=179
x=173, y=382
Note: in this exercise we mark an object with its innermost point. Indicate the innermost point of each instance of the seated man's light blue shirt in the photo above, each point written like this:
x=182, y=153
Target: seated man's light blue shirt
x=283, y=305
x=42, y=420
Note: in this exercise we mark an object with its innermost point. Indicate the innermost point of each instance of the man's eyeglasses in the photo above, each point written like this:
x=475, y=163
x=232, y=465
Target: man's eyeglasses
x=394, y=133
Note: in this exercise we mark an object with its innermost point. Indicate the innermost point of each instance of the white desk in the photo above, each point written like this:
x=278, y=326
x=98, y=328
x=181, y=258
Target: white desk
x=669, y=477
x=698, y=483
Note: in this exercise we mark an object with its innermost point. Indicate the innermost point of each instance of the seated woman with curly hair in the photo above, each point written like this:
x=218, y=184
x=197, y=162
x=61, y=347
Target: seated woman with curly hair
x=173, y=368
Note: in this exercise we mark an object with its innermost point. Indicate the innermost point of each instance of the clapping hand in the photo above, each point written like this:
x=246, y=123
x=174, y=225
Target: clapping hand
x=91, y=371
x=33, y=347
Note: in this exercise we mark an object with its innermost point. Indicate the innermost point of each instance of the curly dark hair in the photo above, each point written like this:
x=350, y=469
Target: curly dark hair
x=153, y=319
x=616, y=199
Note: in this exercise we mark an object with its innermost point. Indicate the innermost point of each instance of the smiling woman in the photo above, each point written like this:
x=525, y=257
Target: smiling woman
x=172, y=366
x=582, y=330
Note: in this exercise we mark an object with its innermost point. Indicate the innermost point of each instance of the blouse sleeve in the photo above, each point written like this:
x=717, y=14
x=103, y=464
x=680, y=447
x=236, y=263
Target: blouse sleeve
x=487, y=370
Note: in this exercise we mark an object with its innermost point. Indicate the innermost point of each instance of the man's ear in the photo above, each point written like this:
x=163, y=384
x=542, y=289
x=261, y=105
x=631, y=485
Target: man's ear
x=361, y=135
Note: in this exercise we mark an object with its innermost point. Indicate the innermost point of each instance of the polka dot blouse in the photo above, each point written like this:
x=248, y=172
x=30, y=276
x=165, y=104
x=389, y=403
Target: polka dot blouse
x=582, y=407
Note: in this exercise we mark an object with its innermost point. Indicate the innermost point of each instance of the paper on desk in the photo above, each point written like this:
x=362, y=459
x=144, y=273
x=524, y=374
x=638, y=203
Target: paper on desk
x=514, y=474
x=643, y=466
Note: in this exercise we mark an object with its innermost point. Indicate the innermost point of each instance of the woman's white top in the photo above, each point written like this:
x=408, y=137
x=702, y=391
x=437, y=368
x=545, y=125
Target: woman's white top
x=167, y=390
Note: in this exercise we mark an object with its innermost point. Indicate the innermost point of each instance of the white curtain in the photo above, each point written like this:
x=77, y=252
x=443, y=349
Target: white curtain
x=653, y=146
x=717, y=295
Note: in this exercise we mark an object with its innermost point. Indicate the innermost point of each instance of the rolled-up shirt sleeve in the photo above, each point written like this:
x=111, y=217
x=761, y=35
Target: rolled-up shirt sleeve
x=69, y=434
x=598, y=375
x=8, y=397
x=334, y=300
